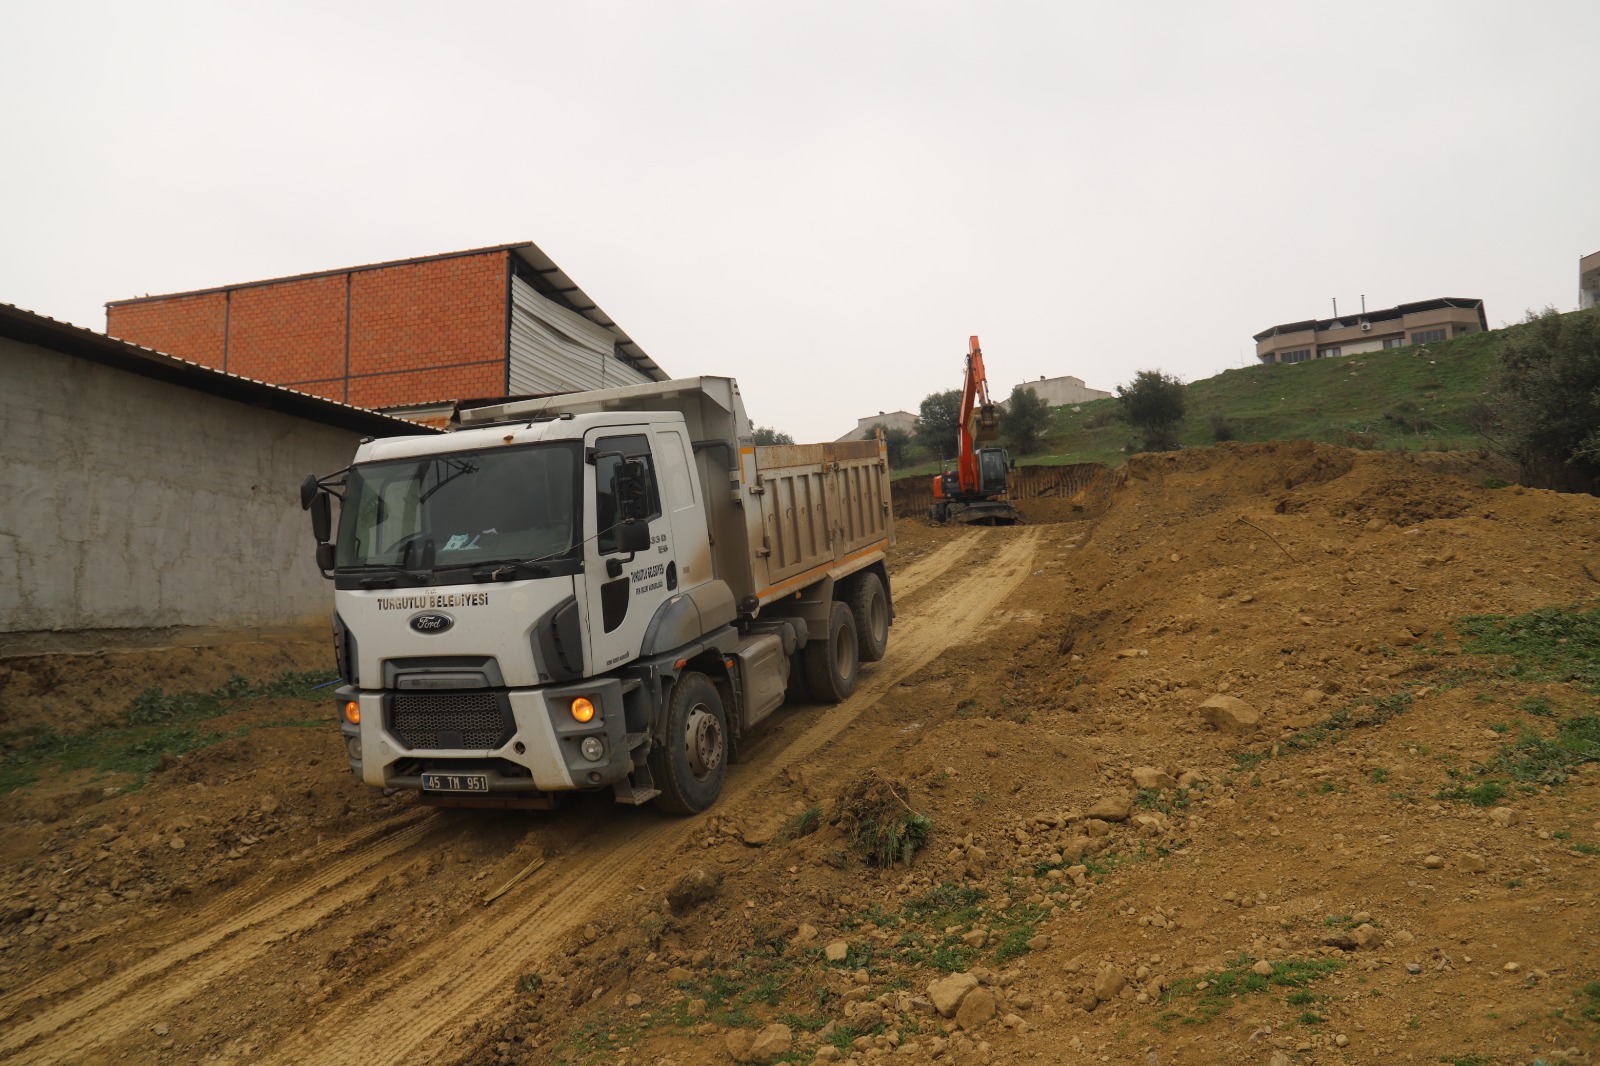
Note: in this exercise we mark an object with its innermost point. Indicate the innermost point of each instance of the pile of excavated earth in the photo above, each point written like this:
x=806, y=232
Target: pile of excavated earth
x=1217, y=762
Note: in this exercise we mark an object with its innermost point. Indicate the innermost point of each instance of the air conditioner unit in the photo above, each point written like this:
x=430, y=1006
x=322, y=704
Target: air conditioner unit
x=1366, y=325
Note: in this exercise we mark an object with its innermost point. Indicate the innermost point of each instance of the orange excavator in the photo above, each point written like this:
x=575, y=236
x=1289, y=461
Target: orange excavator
x=975, y=491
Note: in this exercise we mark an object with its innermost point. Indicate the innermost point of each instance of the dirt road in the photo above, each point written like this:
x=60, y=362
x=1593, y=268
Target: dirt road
x=241, y=968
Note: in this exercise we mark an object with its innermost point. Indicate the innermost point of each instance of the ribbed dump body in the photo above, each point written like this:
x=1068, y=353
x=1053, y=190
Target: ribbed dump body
x=820, y=505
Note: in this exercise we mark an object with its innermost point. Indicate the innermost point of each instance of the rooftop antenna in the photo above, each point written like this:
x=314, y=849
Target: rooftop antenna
x=1363, y=303
x=1335, y=307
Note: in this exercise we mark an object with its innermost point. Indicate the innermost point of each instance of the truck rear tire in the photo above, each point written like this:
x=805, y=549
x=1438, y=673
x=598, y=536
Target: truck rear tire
x=690, y=768
x=869, y=607
x=832, y=660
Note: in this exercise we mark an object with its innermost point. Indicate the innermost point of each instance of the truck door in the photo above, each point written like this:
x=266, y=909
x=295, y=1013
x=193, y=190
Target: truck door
x=622, y=592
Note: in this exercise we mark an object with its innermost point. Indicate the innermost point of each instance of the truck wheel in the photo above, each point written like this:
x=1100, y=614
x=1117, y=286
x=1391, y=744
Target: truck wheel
x=869, y=607
x=690, y=768
x=831, y=662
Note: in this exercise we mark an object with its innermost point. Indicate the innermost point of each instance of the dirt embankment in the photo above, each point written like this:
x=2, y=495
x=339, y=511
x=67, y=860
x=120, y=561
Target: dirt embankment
x=1112, y=872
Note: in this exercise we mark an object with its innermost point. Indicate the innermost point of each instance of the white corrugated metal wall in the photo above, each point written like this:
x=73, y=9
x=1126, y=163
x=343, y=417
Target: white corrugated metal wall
x=557, y=350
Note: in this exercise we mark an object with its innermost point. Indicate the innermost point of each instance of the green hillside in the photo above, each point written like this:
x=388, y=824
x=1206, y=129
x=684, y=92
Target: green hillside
x=1418, y=398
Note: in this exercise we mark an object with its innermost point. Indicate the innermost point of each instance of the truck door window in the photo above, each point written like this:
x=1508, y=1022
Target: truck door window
x=611, y=451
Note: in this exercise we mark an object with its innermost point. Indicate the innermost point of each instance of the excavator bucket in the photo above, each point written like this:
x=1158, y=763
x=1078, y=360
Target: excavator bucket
x=985, y=423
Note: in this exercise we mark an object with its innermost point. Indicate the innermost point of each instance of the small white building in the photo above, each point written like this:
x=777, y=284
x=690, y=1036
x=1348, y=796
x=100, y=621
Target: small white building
x=887, y=419
x=1060, y=392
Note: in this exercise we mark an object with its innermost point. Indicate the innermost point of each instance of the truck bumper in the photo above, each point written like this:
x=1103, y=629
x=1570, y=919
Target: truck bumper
x=538, y=745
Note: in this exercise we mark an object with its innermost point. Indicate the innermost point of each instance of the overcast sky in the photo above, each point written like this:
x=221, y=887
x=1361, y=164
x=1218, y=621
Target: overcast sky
x=824, y=200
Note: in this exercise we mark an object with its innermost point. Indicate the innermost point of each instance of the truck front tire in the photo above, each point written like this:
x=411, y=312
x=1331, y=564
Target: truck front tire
x=690, y=768
x=832, y=658
x=869, y=606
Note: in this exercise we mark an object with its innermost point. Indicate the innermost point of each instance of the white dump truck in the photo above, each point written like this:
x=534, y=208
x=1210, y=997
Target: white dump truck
x=595, y=590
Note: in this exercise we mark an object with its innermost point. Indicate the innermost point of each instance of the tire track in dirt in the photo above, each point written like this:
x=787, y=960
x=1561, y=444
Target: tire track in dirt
x=905, y=583
x=451, y=982
x=206, y=951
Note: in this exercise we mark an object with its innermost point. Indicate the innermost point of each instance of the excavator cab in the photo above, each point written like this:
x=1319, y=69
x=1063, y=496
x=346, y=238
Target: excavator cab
x=991, y=471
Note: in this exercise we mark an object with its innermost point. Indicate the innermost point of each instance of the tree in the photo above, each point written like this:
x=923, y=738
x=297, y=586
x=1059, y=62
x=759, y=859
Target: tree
x=767, y=435
x=938, y=423
x=1153, y=403
x=898, y=441
x=1549, y=392
x=1024, y=419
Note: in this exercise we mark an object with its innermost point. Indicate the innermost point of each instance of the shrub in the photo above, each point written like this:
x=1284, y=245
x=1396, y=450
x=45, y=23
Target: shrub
x=1408, y=416
x=1024, y=419
x=879, y=822
x=1549, y=388
x=1154, y=404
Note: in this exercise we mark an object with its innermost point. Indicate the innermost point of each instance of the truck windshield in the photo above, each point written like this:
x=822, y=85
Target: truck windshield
x=462, y=509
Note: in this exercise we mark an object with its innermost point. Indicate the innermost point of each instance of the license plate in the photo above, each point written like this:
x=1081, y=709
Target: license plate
x=455, y=782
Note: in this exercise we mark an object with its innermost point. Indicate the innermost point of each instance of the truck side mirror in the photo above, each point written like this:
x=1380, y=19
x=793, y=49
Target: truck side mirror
x=324, y=556
x=633, y=536
x=322, y=517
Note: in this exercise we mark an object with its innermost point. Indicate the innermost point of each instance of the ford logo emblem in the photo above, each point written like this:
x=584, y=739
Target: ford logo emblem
x=432, y=622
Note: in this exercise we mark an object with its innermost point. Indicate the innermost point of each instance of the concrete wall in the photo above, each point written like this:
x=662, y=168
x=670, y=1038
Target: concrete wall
x=129, y=503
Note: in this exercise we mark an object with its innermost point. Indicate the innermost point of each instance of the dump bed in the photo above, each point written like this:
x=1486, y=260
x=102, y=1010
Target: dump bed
x=823, y=508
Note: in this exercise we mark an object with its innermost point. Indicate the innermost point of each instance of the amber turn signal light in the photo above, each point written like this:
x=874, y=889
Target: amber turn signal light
x=583, y=709
x=352, y=712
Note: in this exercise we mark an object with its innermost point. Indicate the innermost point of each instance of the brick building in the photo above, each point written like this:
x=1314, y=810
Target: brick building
x=1371, y=331
x=413, y=334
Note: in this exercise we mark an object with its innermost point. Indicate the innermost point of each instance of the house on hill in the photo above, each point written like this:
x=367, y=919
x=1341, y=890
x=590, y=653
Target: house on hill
x=1370, y=331
x=1062, y=391
x=411, y=336
x=903, y=420
x=1589, y=281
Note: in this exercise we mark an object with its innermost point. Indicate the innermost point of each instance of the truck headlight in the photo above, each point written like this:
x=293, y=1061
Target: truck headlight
x=593, y=748
x=352, y=747
x=583, y=709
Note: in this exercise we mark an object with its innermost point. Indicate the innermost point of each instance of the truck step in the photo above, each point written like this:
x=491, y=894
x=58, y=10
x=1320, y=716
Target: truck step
x=626, y=792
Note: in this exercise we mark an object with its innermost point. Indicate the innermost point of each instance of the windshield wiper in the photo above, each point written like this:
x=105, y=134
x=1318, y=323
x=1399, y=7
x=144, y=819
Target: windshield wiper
x=508, y=569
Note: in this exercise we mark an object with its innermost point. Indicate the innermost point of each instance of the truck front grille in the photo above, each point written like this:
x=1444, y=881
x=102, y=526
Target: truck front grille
x=450, y=720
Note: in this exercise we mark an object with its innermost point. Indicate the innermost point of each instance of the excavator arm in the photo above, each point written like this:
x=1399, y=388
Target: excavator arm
x=980, y=422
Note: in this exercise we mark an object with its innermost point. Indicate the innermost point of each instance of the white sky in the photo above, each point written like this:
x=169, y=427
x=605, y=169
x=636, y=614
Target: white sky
x=824, y=200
